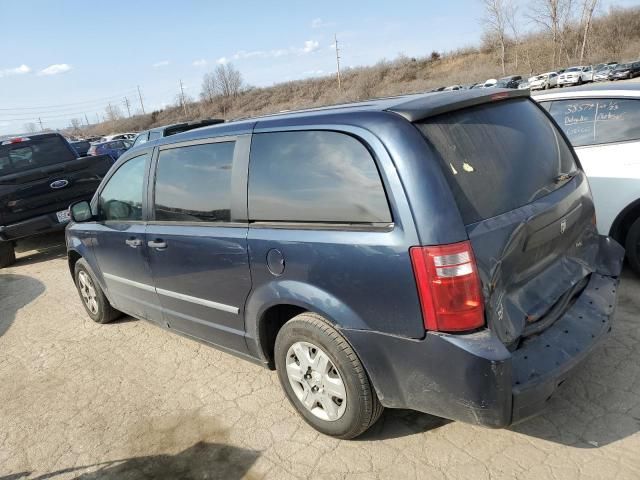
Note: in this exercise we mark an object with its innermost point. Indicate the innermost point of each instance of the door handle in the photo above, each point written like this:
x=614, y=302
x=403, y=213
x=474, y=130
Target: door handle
x=133, y=242
x=157, y=244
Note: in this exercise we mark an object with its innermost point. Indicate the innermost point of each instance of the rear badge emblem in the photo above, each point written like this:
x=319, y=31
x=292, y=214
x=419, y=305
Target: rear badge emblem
x=59, y=184
x=563, y=225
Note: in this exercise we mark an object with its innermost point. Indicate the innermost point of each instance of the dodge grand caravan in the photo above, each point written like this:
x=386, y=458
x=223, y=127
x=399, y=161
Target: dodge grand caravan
x=435, y=252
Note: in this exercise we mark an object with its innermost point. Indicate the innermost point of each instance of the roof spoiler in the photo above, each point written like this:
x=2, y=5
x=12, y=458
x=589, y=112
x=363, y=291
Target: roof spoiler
x=444, y=102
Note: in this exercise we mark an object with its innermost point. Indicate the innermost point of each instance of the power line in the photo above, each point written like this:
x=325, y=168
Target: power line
x=72, y=104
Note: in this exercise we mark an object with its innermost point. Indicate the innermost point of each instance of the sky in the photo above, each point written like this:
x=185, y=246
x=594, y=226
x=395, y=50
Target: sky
x=62, y=60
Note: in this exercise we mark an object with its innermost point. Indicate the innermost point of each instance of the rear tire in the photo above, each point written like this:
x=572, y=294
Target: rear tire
x=93, y=298
x=7, y=254
x=306, y=347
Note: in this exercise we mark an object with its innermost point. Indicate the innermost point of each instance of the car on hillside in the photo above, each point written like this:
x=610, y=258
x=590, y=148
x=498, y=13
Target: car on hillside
x=489, y=83
x=113, y=148
x=576, y=76
x=603, y=124
x=602, y=74
x=544, y=81
x=40, y=176
x=512, y=81
x=167, y=130
x=625, y=71
x=357, y=250
x=118, y=136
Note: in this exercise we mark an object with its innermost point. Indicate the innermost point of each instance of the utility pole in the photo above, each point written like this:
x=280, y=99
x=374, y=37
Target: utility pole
x=97, y=118
x=110, y=112
x=140, y=97
x=86, y=119
x=184, y=104
x=335, y=37
x=41, y=127
x=126, y=102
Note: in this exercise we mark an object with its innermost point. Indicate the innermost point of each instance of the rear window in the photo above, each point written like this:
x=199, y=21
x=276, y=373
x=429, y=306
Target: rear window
x=595, y=121
x=498, y=157
x=34, y=153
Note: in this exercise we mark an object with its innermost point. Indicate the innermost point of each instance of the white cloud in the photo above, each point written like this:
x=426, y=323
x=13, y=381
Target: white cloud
x=319, y=23
x=55, y=69
x=162, y=63
x=22, y=69
x=310, y=46
x=200, y=63
x=223, y=60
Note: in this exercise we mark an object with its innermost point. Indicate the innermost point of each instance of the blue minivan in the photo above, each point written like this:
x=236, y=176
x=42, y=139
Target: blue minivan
x=435, y=252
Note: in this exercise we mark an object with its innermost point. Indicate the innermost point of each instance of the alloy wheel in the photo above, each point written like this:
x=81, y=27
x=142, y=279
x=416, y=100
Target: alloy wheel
x=88, y=292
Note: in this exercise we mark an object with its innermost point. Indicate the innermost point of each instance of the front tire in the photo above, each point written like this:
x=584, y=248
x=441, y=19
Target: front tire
x=324, y=379
x=93, y=298
x=7, y=254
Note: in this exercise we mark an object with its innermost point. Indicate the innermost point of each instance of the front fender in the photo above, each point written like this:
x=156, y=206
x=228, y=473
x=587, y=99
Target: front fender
x=299, y=294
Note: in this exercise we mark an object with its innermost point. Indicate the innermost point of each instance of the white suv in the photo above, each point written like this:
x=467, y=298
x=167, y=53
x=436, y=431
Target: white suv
x=603, y=124
x=576, y=76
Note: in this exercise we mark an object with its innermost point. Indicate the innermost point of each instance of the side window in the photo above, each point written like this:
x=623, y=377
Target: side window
x=193, y=184
x=121, y=198
x=598, y=121
x=153, y=134
x=314, y=176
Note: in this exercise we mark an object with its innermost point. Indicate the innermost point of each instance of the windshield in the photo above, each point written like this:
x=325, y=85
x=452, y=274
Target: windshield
x=574, y=69
x=511, y=143
x=34, y=153
x=624, y=66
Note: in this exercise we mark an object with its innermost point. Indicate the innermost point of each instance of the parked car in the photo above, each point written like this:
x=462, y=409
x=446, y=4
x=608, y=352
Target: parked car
x=625, y=71
x=452, y=88
x=511, y=81
x=40, y=176
x=113, y=148
x=543, y=81
x=603, y=124
x=490, y=83
x=168, y=130
x=369, y=267
x=118, y=136
x=602, y=74
x=82, y=147
x=575, y=76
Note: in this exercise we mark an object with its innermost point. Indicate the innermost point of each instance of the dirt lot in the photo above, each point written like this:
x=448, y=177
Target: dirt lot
x=129, y=401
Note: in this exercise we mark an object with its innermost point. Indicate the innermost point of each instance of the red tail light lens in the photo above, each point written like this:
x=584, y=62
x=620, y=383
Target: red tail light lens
x=448, y=287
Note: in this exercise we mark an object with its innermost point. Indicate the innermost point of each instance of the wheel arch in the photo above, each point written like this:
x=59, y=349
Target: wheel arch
x=270, y=306
x=624, y=220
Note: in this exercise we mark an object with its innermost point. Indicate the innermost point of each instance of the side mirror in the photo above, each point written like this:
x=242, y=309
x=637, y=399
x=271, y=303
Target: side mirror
x=81, y=211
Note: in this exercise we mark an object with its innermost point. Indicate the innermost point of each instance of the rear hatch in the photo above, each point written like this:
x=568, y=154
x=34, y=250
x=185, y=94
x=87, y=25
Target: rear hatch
x=527, y=208
x=42, y=174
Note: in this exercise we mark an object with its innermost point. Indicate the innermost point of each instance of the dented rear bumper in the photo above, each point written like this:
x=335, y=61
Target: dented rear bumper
x=474, y=378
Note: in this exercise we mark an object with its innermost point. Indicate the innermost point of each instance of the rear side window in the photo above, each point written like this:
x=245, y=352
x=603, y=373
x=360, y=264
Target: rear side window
x=592, y=121
x=193, y=184
x=498, y=157
x=314, y=176
x=34, y=153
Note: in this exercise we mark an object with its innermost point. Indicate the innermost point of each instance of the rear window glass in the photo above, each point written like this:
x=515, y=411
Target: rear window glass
x=498, y=157
x=34, y=153
x=314, y=176
x=592, y=121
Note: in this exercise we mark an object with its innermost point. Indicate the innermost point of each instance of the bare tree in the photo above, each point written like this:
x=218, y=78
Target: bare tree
x=588, y=7
x=511, y=17
x=553, y=16
x=76, y=124
x=495, y=20
x=209, y=87
x=228, y=80
x=30, y=127
x=113, y=113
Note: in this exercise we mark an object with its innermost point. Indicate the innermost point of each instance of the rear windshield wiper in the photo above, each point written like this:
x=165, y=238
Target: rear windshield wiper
x=563, y=177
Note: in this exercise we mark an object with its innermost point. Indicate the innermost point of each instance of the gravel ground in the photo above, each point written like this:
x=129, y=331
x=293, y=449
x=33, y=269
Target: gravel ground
x=131, y=401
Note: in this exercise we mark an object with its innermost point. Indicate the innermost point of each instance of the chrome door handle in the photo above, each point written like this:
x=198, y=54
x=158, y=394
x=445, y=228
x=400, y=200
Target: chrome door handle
x=157, y=244
x=133, y=242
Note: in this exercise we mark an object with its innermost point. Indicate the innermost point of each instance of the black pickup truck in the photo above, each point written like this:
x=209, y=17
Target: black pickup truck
x=40, y=176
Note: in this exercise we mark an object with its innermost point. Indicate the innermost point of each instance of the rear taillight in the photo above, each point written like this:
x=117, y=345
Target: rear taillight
x=448, y=287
